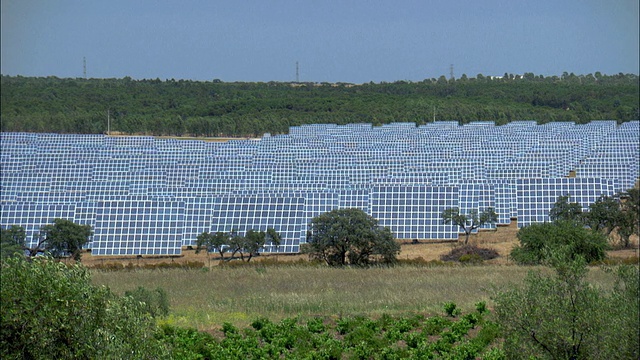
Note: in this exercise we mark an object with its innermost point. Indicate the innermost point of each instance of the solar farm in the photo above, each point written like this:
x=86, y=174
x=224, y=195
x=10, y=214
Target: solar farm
x=150, y=196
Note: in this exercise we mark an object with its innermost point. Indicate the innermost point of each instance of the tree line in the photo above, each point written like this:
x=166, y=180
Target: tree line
x=216, y=108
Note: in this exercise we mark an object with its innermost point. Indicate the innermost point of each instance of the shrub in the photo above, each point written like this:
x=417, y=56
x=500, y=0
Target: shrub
x=153, y=302
x=470, y=253
x=564, y=317
x=451, y=309
x=481, y=307
x=350, y=237
x=538, y=241
x=52, y=311
x=186, y=343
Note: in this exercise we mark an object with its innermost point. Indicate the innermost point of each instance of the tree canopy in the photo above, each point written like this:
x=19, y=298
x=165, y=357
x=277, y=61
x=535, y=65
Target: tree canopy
x=12, y=241
x=216, y=108
x=60, y=239
x=349, y=236
x=469, y=222
x=563, y=210
x=232, y=242
x=538, y=241
x=562, y=316
x=65, y=238
x=51, y=310
x=619, y=213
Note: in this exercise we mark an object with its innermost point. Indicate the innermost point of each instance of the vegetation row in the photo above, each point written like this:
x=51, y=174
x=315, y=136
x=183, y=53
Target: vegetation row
x=216, y=108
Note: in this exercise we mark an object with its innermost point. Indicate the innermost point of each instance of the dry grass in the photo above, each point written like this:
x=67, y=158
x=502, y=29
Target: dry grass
x=206, y=299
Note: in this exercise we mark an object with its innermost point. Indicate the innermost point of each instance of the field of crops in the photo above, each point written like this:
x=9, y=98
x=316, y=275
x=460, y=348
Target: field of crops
x=451, y=336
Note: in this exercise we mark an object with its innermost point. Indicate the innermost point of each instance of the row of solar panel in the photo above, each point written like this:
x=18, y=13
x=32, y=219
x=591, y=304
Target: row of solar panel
x=411, y=212
x=49, y=168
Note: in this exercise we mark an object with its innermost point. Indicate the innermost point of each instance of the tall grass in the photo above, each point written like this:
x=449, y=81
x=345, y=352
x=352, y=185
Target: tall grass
x=206, y=299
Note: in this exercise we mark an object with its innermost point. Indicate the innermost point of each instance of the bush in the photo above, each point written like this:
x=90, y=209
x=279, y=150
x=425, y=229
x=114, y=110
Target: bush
x=350, y=237
x=52, y=311
x=538, y=241
x=470, y=254
x=187, y=343
x=564, y=317
x=451, y=309
x=154, y=303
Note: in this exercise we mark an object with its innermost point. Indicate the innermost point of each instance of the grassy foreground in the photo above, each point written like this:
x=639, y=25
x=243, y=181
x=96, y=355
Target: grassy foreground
x=205, y=299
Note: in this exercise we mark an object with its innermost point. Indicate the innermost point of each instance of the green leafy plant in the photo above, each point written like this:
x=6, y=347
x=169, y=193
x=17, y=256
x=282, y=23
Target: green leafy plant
x=562, y=316
x=51, y=310
x=451, y=309
x=481, y=307
x=153, y=302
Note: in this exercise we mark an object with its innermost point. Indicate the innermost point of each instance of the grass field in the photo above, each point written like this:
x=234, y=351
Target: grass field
x=205, y=299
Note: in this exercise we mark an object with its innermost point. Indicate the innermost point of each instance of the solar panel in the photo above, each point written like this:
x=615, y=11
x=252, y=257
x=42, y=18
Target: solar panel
x=32, y=217
x=414, y=212
x=477, y=197
x=286, y=215
x=535, y=197
x=132, y=227
x=397, y=172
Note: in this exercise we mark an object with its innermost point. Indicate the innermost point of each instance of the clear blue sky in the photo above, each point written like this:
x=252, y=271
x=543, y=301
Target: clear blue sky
x=333, y=40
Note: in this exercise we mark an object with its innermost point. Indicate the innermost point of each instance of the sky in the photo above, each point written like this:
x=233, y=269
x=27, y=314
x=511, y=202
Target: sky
x=354, y=41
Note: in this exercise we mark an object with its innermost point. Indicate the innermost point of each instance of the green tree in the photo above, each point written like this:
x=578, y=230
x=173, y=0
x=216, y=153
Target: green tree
x=274, y=238
x=563, y=317
x=604, y=215
x=562, y=209
x=253, y=242
x=349, y=236
x=213, y=242
x=630, y=218
x=236, y=244
x=51, y=310
x=65, y=238
x=250, y=243
x=12, y=241
x=470, y=222
x=609, y=214
x=538, y=241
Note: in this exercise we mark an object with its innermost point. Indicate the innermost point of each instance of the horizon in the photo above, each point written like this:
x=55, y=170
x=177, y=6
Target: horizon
x=317, y=82
x=313, y=42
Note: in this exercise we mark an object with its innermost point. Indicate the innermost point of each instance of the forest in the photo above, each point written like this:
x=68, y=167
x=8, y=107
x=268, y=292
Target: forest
x=216, y=108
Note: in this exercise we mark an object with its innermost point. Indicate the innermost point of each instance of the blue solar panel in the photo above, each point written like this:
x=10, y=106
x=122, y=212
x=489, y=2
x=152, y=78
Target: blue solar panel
x=33, y=216
x=414, y=212
x=323, y=166
x=132, y=227
x=286, y=215
x=535, y=197
x=477, y=197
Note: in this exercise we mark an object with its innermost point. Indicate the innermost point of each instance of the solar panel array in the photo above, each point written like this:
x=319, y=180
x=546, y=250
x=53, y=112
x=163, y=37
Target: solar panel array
x=144, y=195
